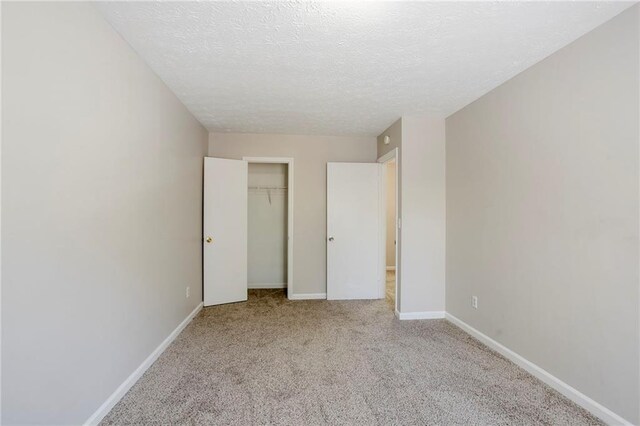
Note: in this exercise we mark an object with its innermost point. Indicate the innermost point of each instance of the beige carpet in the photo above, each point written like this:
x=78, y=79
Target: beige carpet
x=272, y=361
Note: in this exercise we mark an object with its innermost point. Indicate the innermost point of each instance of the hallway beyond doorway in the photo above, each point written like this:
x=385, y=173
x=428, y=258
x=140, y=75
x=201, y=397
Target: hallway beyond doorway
x=390, y=289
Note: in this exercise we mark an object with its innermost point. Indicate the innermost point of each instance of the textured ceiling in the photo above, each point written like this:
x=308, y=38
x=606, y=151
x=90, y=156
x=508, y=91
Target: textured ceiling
x=346, y=67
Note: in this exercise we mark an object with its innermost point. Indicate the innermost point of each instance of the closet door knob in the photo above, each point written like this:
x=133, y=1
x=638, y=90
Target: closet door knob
x=209, y=240
x=330, y=238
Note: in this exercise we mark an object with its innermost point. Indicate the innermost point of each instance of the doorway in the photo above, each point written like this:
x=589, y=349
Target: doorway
x=234, y=196
x=390, y=164
x=270, y=223
x=390, y=235
x=267, y=226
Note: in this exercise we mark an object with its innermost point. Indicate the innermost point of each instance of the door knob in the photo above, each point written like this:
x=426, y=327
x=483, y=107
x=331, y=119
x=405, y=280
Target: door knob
x=209, y=240
x=330, y=238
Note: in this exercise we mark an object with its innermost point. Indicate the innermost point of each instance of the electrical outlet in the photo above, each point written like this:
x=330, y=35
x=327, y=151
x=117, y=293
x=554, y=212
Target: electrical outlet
x=474, y=302
x=188, y=292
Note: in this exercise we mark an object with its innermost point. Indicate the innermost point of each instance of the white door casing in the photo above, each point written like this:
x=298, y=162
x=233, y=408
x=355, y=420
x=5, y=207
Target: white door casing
x=355, y=212
x=225, y=231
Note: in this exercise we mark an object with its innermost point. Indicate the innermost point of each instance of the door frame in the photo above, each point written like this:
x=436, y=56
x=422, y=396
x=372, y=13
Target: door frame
x=386, y=158
x=289, y=162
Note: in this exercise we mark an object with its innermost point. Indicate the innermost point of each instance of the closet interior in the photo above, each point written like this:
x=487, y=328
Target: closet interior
x=267, y=227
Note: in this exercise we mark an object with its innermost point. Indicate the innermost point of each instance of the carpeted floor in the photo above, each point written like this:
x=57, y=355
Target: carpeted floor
x=274, y=361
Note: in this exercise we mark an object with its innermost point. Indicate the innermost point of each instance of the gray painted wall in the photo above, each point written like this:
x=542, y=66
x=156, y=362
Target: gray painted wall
x=310, y=154
x=423, y=214
x=420, y=140
x=101, y=212
x=542, y=214
x=395, y=135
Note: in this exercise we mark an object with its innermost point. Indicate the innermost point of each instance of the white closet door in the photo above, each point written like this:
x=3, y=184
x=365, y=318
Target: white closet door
x=225, y=231
x=354, y=215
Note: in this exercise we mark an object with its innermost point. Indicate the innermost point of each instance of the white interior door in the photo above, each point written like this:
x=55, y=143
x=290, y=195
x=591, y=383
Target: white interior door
x=225, y=231
x=355, y=256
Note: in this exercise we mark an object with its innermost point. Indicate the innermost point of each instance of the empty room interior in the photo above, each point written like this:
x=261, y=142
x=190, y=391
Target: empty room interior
x=320, y=213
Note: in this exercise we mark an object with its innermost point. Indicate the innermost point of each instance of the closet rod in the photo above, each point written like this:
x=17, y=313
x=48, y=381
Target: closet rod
x=267, y=187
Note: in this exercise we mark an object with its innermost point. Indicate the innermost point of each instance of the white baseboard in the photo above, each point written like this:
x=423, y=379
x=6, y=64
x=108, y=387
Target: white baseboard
x=391, y=268
x=133, y=378
x=573, y=394
x=420, y=315
x=307, y=296
x=257, y=286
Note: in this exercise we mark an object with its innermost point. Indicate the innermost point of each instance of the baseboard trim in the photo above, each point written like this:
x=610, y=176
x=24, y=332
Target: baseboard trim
x=420, y=315
x=258, y=286
x=308, y=296
x=133, y=378
x=573, y=394
x=391, y=268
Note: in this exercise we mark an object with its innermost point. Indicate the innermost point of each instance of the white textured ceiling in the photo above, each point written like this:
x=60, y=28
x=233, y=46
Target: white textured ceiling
x=344, y=67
